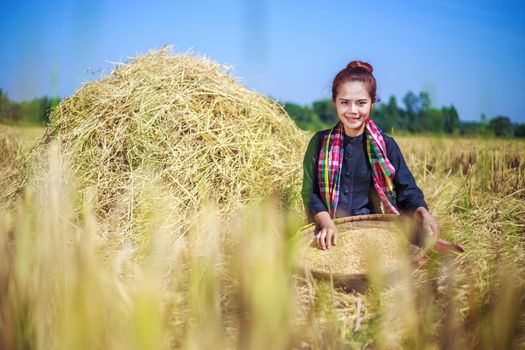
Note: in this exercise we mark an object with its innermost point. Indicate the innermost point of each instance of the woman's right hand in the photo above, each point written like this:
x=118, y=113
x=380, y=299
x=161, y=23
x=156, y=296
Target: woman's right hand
x=327, y=235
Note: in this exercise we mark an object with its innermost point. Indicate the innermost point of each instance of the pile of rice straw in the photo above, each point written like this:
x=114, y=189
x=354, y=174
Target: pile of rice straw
x=183, y=123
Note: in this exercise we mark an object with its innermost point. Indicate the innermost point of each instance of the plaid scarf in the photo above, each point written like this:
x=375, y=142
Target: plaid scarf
x=331, y=161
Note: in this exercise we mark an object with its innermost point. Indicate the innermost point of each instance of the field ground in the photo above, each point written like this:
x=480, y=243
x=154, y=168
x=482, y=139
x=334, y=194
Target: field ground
x=196, y=293
x=27, y=136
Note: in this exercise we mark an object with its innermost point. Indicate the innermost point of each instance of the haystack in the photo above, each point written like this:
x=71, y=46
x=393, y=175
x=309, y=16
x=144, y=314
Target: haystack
x=185, y=123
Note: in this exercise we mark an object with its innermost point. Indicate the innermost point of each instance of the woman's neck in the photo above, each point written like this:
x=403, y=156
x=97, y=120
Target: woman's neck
x=354, y=132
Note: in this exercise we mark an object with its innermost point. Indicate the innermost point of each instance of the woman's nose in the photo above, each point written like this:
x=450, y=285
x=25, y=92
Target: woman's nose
x=353, y=108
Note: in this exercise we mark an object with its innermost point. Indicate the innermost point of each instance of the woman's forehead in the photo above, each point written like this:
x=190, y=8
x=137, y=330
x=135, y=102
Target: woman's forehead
x=353, y=90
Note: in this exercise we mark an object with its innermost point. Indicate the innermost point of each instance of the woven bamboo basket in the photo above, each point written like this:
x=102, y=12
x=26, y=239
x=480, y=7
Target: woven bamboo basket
x=345, y=264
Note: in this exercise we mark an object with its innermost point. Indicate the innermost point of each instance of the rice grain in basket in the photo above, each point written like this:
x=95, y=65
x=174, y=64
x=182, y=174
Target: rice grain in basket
x=365, y=239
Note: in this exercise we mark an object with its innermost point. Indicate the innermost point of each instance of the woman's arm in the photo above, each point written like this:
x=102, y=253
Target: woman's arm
x=310, y=189
x=424, y=218
x=315, y=209
x=410, y=198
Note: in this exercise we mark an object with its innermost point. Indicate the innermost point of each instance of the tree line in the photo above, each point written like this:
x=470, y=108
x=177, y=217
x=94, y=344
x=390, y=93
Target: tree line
x=33, y=112
x=417, y=115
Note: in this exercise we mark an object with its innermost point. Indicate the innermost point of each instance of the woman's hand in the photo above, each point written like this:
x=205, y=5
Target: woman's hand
x=327, y=235
x=427, y=221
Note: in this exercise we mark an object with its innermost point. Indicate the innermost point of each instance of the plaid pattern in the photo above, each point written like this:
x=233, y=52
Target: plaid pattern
x=329, y=167
x=383, y=171
x=331, y=161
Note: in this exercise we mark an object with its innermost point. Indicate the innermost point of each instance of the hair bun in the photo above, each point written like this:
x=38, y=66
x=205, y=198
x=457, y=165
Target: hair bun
x=360, y=64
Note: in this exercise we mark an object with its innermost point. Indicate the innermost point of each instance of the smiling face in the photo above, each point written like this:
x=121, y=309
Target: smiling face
x=353, y=105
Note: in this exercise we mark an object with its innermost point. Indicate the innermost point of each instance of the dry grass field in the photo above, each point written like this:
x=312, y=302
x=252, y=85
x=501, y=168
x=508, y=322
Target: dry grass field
x=231, y=287
x=26, y=136
x=162, y=209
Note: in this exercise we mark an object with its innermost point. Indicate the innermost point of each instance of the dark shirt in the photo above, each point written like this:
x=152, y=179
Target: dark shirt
x=357, y=195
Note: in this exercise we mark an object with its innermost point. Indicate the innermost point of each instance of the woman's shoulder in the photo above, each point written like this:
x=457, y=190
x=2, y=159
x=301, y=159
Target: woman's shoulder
x=388, y=139
x=315, y=142
x=319, y=135
x=392, y=147
x=322, y=133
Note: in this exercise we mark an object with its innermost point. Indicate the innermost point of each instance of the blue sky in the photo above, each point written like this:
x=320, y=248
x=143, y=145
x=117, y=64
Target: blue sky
x=466, y=53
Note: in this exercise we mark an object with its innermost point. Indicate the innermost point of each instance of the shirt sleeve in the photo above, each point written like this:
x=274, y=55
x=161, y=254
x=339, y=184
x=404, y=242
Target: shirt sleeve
x=310, y=189
x=409, y=195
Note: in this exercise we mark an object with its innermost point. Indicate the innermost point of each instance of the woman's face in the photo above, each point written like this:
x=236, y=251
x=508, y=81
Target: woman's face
x=353, y=105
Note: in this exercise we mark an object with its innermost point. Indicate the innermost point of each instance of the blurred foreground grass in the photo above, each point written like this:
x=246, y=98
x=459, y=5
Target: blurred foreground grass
x=229, y=285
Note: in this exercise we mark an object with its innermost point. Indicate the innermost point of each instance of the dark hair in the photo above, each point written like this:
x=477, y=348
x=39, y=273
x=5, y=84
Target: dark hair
x=356, y=71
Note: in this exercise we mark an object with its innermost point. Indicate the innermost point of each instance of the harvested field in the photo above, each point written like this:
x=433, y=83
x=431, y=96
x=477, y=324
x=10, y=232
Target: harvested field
x=141, y=225
x=12, y=166
x=26, y=136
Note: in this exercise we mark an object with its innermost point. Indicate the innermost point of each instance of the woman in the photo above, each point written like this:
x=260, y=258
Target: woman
x=353, y=168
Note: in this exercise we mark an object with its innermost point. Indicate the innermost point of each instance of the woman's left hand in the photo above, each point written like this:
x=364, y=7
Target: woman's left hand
x=426, y=220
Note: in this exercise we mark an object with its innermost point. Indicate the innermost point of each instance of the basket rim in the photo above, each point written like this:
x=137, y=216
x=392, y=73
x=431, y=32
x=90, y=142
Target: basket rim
x=366, y=217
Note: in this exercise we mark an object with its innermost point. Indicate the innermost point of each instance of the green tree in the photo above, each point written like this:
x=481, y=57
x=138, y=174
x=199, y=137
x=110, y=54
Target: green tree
x=483, y=125
x=393, y=112
x=422, y=115
x=47, y=104
x=519, y=130
x=35, y=111
x=411, y=102
x=14, y=113
x=326, y=111
x=469, y=128
x=434, y=120
x=4, y=106
x=413, y=107
x=10, y=112
x=424, y=101
x=31, y=111
x=381, y=117
x=501, y=125
x=451, y=119
x=304, y=117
